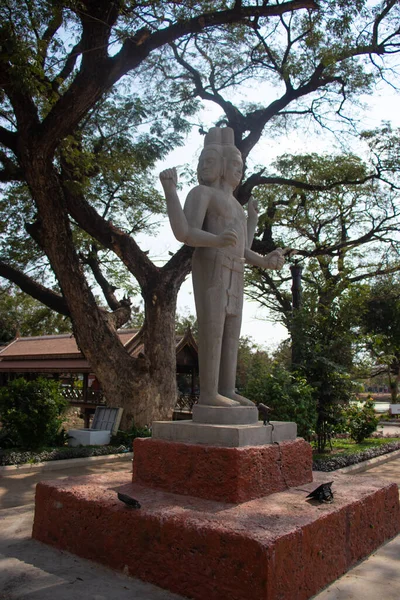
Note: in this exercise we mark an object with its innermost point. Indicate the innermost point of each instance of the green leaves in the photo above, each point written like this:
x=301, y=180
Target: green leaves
x=30, y=412
x=20, y=314
x=288, y=394
x=360, y=421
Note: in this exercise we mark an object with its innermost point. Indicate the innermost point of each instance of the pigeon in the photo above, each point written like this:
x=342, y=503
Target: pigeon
x=131, y=502
x=264, y=412
x=323, y=493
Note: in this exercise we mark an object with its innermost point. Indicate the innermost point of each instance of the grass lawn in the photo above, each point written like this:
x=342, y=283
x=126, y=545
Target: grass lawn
x=346, y=452
x=347, y=446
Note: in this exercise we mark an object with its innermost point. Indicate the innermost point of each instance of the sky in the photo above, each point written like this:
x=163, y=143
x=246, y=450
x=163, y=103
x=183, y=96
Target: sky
x=383, y=106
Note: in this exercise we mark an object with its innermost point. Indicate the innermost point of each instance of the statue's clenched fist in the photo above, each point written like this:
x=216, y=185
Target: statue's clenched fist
x=275, y=259
x=227, y=238
x=169, y=178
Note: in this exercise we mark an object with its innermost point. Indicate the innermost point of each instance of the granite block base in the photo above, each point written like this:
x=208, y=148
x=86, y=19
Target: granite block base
x=230, y=436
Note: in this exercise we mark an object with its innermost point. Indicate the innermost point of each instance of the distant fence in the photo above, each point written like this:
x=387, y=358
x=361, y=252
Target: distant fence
x=185, y=402
x=77, y=396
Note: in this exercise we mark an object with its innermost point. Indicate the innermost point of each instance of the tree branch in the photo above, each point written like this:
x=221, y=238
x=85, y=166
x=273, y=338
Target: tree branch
x=25, y=110
x=68, y=66
x=179, y=265
x=91, y=259
x=387, y=271
x=31, y=287
x=54, y=24
x=259, y=179
x=99, y=72
x=11, y=171
x=108, y=235
x=8, y=139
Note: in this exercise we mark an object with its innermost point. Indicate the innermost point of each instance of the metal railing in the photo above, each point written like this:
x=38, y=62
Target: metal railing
x=185, y=402
x=77, y=395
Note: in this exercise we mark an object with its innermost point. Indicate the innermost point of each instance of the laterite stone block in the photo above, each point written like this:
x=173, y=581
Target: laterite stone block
x=279, y=547
x=222, y=474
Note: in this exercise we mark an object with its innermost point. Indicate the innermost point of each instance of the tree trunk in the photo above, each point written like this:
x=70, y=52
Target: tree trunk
x=160, y=345
x=144, y=387
x=394, y=383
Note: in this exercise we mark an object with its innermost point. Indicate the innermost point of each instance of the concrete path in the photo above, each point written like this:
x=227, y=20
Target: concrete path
x=30, y=570
x=389, y=429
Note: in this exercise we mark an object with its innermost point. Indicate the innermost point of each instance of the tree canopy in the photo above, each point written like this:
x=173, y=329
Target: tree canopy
x=93, y=92
x=380, y=323
x=342, y=233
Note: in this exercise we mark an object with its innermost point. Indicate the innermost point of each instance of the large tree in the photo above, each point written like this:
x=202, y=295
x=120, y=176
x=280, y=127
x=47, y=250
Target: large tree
x=58, y=60
x=341, y=222
x=345, y=236
x=380, y=323
x=61, y=59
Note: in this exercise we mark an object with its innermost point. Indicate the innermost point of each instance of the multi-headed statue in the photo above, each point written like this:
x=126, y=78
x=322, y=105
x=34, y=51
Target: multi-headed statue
x=215, y=223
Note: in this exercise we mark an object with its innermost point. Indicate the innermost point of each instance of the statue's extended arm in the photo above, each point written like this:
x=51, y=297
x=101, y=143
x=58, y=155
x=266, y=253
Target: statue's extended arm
x=274, y=260
x=187, y=227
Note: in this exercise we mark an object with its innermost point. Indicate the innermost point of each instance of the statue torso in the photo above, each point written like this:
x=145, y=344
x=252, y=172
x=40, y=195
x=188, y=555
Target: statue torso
x=225, y=212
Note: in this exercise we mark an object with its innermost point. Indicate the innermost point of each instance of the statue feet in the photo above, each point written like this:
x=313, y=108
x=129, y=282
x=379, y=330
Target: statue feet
x=217, y=400
x=239, y=399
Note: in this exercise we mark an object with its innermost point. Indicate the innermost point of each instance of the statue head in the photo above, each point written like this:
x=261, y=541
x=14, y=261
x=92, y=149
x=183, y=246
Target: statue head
x=211, y=164
x=220, y=159
x=233, y=166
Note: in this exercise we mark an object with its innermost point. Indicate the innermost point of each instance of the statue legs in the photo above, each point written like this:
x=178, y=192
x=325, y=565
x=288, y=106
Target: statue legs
x=210, y=344
x=228, y=362
x=218, y=290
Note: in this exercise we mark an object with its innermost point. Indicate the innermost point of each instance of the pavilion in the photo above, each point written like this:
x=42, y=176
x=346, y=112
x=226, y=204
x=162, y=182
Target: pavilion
x=58, y=357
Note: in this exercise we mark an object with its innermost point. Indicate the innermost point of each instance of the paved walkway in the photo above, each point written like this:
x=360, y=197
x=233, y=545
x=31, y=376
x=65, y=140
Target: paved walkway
x=30, y=570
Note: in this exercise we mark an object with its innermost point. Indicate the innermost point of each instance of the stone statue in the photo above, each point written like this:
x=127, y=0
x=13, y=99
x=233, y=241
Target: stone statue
x=215, y=223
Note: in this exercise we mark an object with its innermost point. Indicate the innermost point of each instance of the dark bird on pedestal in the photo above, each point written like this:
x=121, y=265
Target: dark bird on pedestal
x=264, y=412
x=323, y=493
x=131, y=502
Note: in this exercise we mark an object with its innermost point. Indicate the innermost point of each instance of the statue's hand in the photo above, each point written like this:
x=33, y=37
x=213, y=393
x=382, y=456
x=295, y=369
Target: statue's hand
x=227, y=238
x=275, y=260
x=169, y=179
x=252, y=211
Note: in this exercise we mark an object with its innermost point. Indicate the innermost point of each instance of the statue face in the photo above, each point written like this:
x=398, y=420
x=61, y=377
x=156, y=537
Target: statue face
x=210, y=166
x=233, y=167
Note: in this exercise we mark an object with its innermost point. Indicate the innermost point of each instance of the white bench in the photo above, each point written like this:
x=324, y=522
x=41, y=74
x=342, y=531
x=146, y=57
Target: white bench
x=105, y=423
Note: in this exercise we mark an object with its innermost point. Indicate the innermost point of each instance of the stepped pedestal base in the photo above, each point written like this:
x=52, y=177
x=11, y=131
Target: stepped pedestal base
x=279, y=547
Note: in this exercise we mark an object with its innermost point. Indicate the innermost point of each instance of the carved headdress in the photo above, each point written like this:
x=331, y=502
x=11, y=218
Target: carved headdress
x=219, y=136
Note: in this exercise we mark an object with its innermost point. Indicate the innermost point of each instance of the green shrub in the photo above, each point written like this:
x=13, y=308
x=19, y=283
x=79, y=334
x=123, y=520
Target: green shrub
x=126, y=437
x=360, y=421
x=289, y=396
x=30, y=412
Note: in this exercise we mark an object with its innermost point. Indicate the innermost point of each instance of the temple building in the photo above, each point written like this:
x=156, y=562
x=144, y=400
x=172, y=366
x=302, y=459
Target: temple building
x=58, y=357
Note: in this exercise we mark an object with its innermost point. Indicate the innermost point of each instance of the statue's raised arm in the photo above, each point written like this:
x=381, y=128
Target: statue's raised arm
x=252, y=220
x=187, y=225
x=177, y=219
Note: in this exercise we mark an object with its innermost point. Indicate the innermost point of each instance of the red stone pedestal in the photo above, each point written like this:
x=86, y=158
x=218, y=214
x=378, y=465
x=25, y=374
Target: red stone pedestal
x=278, y=547
x=223, y=474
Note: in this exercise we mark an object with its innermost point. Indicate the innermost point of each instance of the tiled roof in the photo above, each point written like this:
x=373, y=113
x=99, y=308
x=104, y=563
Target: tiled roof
x=60, y=353
x=52, y=346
